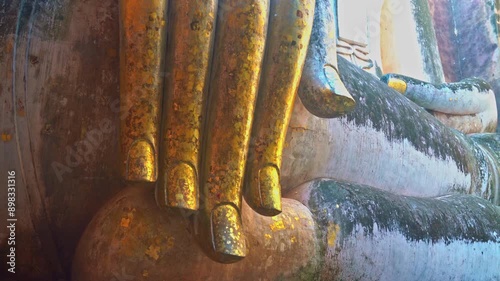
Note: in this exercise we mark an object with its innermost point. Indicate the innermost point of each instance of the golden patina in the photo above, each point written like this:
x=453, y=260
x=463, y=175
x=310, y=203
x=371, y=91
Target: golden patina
x=285, y=55
x=187, y=66
x=397, y=84
x=232, y=72
x=238, y=55
x=142, y=48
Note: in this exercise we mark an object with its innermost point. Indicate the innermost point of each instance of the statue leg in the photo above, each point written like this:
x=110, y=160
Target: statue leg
x=369, y=234
x=338, y=231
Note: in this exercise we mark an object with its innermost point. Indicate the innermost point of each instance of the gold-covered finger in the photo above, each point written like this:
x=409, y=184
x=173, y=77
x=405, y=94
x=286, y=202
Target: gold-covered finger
x=238, y=55
x=142, y=48
x=191, y=29
x=227, y=233
x=289, y=32
x=321, y=90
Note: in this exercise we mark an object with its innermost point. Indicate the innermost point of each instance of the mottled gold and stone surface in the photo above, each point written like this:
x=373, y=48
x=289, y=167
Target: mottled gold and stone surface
x=238, y=55
x=328, y=231
x=151, y=244
x=142, y=49
x=289, y=32
x=59, y=92
x=187, y=66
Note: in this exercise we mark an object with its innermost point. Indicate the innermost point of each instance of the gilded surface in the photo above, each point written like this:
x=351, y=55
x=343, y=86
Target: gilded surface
x=190, y=36
x=397, y=84
x=227, y=232
x=238, y=55
x=142, y=45
x=289, y=33
x=204, y=150
x=60, y=88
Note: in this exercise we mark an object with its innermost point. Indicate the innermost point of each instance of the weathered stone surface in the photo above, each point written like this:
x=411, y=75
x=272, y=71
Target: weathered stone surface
x=387, y=142
x=59, y=115
x=468, y=45
x=353, y=233
x=368, y=234
x=132, y=238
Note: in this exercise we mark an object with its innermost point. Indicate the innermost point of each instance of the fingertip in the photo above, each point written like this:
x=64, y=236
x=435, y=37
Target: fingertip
x=269, y=201
x=141, y=163
x=182, y=188
x=228, y=239
x=219, y=233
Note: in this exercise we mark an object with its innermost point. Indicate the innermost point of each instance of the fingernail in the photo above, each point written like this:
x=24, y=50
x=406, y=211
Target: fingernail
x=270, y=191
x=397, y=84
x=337, y=85
x=227, y=234
x=141, y=164
x=182, y=190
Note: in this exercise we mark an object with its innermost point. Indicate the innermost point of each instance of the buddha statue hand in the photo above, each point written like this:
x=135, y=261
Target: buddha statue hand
x=233, y=71
x=468, y=106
